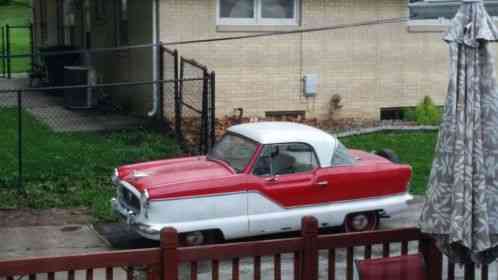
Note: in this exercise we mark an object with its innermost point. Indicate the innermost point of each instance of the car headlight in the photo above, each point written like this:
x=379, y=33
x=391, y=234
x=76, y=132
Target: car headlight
x=144, y=200
x=115, y=175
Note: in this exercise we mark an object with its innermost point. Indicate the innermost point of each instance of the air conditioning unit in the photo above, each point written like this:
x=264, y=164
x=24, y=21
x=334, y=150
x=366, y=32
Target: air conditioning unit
x=80, y=98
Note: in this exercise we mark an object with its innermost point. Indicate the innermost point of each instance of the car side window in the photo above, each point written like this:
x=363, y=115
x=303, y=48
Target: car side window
x=341, y=156
x=281, y=159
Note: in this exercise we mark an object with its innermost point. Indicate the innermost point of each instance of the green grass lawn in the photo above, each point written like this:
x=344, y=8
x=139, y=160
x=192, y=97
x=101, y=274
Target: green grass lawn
x=63, y=170
x=414, y=148
x=18, y=13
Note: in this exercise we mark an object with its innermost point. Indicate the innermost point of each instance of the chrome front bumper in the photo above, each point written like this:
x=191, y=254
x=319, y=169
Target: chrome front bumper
x=128, y=215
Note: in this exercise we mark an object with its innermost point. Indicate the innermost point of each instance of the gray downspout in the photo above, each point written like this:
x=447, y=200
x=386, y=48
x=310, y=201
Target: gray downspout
x=155, y=58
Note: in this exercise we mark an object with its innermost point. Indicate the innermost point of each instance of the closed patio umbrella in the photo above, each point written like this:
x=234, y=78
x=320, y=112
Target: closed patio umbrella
x=461, y=210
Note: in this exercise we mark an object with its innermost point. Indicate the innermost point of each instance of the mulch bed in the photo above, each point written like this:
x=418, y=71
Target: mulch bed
x=46, y=217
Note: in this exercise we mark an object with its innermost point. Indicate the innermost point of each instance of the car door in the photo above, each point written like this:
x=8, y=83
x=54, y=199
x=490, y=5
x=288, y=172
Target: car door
x=285, y=179
x=347, y=179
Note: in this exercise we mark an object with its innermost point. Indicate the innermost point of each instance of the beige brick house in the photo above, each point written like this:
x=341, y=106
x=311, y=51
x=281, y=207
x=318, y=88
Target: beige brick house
x=370, y=67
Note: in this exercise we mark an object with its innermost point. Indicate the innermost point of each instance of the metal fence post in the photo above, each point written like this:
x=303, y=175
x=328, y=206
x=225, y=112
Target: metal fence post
x=160, y=85
x=2, y=49
x=213, y=109
x=20, y=187
x=177, y=95
x=8, y=50
x=179, y=104
x=169, y=254
x=205, y=113
x=309, y=232
x=32, y=47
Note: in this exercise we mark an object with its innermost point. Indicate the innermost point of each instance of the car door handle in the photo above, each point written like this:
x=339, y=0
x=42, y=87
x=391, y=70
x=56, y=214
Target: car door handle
x=322, y=184
x=272, y=180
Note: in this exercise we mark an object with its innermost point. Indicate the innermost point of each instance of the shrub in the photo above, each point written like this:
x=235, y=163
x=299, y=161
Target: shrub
x=408, y=114
x=427, y=113
x=334, y=105
x=5, y=2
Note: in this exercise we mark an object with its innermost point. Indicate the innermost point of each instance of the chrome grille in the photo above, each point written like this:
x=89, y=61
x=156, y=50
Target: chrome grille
x=128, y=199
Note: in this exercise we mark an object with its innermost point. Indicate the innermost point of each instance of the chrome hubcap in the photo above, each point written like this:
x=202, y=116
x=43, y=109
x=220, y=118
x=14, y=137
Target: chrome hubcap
x=359, y=222
x=194, y=238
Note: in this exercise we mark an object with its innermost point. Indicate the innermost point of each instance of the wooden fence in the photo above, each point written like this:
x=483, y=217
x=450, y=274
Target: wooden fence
x=164, y=262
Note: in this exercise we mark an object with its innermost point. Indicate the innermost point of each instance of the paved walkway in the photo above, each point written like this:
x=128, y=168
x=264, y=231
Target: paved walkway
x=21, y=242
x=49, y=109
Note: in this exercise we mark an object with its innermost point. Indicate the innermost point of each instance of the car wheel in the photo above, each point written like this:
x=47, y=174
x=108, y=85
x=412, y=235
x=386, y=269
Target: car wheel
x=364, y=221
x=194, y=238
x=388, y=154
x=198, y=238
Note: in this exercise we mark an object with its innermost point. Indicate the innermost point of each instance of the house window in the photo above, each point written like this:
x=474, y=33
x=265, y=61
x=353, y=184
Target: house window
x=43, y=22
x=69, y=9
x=122, y=38
x=439, y=12
x=258, y=12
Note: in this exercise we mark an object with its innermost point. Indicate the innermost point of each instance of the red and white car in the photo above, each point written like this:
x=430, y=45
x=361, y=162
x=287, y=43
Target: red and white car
x=261, y=178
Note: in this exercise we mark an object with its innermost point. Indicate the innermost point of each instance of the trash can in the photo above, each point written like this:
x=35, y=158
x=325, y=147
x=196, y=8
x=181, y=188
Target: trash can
x=55, y=63
x=79, y=98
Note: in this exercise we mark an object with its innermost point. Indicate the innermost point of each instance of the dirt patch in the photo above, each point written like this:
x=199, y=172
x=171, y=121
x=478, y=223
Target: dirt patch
x=46, y=217
x=191, y=126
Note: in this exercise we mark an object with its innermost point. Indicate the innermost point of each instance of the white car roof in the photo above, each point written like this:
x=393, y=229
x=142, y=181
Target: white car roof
x=288, y=132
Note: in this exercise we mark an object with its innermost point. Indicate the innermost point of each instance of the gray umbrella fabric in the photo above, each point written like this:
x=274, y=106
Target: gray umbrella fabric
x=461, y=210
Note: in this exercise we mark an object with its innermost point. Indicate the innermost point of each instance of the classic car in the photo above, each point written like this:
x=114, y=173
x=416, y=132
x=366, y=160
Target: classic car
x=262, y=178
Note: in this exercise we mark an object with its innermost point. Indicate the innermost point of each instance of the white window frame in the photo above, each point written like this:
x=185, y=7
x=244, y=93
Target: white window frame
x=258, y=19
x=437, y=24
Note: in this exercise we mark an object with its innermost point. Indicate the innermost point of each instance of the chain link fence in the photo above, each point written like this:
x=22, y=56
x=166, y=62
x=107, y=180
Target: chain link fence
x=196, y=110
x=16, y=50
x=188, y=104
x=97, y=112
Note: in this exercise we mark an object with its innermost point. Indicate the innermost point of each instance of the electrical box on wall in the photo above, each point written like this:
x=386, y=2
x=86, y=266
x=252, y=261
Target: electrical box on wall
x=310, y=84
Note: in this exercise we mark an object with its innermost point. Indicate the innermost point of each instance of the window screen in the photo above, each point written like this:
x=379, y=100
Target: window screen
x=237, y=8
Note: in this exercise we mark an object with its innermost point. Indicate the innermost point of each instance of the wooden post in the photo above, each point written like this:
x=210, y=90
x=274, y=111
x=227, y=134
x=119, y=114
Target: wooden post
x=470, y=272
x=169, y=254
x=433, y=258
x=309, y=232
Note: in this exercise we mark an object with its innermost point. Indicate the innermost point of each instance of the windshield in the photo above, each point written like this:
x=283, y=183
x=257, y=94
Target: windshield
x=235, y=150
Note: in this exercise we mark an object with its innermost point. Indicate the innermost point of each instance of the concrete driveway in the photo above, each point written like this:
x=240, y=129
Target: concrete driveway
x=65, y=238
x=119, y=237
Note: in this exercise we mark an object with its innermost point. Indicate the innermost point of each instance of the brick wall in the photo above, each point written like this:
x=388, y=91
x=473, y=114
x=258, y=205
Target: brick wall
x=370, y=67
